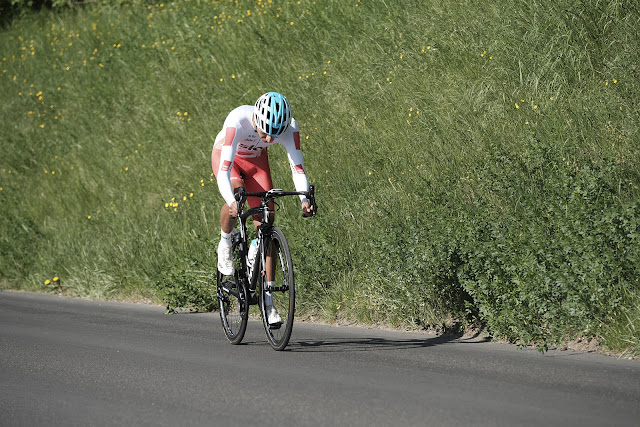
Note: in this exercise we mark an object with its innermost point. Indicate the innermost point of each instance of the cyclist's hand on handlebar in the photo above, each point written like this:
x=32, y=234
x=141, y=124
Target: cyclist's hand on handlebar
x=233, y=209
x=307, y=209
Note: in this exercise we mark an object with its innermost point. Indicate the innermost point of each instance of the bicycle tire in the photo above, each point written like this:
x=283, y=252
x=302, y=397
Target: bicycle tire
x=234, y=307
x=283, y=296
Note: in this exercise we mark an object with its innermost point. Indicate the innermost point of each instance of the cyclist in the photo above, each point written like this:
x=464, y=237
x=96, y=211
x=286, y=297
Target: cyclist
x=239, y=159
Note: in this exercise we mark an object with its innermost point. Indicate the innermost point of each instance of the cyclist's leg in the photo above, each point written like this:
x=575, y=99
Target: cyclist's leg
x=257, y=179
x=225, y=262
x=226, y=222
x=225, y=258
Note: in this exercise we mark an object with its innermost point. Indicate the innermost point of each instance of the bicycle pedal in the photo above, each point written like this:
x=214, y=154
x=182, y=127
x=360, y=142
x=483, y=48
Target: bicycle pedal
x=229, y=284
x=275, y=326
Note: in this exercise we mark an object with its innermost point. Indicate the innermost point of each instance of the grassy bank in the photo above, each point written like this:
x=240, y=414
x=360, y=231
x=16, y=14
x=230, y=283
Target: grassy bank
x=476, y=163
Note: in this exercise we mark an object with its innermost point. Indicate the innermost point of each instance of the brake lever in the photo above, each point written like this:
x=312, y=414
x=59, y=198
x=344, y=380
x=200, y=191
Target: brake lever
x=239, y=196
x=312, y=202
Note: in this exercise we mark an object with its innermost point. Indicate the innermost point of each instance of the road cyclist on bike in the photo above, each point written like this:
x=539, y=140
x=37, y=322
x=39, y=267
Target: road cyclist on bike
x=240, y=159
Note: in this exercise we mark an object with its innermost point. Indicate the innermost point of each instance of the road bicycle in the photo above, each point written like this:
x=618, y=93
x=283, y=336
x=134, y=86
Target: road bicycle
x=248, y=285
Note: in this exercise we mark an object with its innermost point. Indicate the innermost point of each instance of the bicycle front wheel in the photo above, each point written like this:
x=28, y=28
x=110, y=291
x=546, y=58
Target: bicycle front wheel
x=281, y=294
x=234, y=307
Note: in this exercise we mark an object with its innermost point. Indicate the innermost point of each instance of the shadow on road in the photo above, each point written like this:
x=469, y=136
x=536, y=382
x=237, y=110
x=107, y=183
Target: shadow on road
x=371, y=344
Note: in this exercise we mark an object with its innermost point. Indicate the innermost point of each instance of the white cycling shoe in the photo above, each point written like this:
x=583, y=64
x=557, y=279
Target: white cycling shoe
x=273, y=318
x=225, y=260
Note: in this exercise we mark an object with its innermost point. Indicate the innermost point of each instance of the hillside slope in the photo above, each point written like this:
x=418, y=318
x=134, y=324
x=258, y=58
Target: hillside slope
x=476, y=163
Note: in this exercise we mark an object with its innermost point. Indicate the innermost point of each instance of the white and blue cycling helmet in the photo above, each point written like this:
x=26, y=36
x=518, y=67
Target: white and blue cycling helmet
x=272, y=113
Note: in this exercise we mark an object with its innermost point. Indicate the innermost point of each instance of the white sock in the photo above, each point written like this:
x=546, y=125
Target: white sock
x=268, y=299
x=226, y=238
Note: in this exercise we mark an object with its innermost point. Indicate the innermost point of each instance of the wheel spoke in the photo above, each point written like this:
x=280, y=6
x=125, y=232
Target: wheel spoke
x=233, y=306
x=281, y=294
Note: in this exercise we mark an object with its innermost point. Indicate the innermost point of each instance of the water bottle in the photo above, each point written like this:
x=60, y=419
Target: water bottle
x=253, y=248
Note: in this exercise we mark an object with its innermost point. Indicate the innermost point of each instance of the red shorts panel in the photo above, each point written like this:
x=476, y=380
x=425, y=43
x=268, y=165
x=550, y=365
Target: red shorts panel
x=254, y=171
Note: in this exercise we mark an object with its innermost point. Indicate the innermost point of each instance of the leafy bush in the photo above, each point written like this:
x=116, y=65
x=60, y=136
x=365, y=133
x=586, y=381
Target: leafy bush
x=188, y=285
x=558, y=262
x=10, y=9
x=57, y=4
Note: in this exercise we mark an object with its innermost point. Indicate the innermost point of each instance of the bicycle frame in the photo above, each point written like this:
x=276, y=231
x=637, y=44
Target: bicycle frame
x=249, y=278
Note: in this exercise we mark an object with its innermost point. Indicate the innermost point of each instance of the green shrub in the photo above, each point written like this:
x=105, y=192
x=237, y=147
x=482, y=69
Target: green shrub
x=558, y=262
x=188, y=285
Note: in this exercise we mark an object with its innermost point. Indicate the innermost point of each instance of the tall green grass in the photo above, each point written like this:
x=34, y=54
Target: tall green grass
x=476, y=163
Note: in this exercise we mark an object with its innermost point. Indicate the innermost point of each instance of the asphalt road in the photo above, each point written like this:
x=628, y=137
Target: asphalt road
x=74, y=362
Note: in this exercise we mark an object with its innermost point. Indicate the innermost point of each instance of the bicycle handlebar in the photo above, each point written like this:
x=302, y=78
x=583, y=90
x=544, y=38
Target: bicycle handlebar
x=266, y=196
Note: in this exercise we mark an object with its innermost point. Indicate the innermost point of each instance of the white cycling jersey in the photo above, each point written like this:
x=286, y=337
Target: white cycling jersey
x=239, y=138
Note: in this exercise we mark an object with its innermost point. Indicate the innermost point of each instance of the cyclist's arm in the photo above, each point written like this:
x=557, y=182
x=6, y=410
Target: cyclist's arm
x=296, y=162
x=227, y=156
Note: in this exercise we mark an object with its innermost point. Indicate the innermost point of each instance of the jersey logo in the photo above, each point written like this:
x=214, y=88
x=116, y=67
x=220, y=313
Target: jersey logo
x=226, y=165
x=299, y=169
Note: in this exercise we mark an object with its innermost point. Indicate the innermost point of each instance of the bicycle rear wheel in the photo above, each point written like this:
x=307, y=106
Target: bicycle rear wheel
x=234, y=309
x=283, y=293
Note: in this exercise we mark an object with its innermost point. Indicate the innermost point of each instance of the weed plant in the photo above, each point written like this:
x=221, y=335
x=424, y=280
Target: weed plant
x=476, y=162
